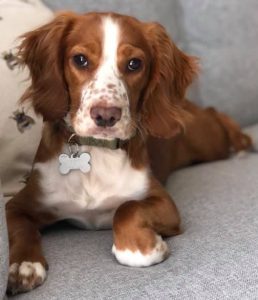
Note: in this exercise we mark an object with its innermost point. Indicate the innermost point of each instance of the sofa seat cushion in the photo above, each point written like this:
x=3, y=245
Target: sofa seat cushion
x=216, y=257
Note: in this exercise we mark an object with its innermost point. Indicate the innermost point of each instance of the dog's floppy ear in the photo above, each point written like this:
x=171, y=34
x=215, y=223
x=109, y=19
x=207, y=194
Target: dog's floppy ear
x=42, y=50
x=172, y=71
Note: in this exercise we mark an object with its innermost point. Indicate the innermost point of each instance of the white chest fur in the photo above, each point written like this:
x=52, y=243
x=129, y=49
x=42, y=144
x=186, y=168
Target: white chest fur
x=92, y=198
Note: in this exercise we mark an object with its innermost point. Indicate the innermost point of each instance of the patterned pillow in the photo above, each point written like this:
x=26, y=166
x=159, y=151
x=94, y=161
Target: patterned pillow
x=19, y=127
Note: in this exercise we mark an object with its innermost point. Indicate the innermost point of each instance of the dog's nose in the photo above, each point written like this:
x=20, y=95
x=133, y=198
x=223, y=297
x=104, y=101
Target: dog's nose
x=105, y=116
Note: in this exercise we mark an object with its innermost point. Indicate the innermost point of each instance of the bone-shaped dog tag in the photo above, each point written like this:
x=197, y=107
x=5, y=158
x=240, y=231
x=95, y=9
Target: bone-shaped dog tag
x=74, y=162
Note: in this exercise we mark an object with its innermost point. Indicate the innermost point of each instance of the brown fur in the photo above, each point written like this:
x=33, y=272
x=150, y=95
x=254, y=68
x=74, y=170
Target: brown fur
x=136, y=223
x=162, y=114
x=208, y=135
x=45, y=60
x=157, y=107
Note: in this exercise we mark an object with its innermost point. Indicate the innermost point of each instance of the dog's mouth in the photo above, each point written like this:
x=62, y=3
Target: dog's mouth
x=119, y=131
x=102, y=133
x=123, y=129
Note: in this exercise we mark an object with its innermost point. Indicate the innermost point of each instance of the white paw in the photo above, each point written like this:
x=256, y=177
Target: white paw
x=137, y=259
x=25, y=276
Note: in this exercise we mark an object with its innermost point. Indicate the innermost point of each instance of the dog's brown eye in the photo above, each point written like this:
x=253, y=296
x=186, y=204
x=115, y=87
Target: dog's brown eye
x=81, y=60
x=134, y=64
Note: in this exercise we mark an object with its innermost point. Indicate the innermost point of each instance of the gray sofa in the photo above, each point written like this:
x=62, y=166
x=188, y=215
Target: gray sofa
x=3, y=248
x=216, y=257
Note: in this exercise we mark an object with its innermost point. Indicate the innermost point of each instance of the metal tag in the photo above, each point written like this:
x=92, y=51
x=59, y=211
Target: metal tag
x=74, y=162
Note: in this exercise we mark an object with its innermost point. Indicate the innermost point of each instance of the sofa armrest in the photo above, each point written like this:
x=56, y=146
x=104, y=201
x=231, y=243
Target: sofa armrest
x=4, y=251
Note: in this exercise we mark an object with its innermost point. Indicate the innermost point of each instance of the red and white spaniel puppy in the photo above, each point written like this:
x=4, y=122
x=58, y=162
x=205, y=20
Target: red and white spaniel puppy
x=104, y=83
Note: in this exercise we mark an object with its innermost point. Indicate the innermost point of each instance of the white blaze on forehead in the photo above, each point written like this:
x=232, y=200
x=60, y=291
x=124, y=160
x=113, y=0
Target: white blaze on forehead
x=108, y=69
x=111, y=35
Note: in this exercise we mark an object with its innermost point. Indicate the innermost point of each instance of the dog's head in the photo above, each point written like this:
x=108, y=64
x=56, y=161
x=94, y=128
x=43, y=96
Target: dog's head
x=110, y=73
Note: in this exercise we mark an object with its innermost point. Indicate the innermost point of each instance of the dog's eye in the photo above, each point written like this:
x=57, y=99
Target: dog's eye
x=134, y=64
x=81, y=60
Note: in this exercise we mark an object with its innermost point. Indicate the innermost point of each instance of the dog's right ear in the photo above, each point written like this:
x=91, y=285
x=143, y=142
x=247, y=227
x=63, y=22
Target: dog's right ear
x=42, y=50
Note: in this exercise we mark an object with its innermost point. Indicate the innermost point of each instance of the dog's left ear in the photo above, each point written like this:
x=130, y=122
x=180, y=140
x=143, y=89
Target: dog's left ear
x=172, y=71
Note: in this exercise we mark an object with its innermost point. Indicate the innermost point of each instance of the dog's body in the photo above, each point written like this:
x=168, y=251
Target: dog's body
x=209, y=135
x=92, y=198
x=128, y=86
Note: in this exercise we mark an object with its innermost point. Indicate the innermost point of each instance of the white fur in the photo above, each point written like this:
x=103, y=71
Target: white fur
x=92, y=198
x=98, y=91
x=13, y=268
x=27, y=269
x=137, y=259
x=111, y=33
x=30, y=273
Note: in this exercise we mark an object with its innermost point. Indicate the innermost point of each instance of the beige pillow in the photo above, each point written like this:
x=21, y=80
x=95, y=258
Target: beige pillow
x=18, y=142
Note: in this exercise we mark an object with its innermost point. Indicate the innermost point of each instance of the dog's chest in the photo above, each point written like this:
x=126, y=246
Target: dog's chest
x=92, y=198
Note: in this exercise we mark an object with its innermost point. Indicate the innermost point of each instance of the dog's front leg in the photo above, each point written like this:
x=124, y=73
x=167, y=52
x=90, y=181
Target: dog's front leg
x=27, y=264
x=139, y=225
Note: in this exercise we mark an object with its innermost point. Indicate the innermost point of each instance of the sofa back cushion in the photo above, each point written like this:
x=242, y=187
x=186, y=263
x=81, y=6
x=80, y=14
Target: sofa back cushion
x=224, y=35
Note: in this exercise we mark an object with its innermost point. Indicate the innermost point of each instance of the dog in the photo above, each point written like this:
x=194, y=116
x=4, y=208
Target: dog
x=111, y=90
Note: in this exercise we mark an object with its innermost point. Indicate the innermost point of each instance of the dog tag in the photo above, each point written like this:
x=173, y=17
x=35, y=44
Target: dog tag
x=74, y=162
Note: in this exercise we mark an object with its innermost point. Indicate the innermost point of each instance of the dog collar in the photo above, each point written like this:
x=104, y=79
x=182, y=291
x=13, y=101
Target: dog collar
x=113, y=144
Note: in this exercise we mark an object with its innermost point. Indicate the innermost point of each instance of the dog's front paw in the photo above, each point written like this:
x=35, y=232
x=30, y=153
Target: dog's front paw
x=25, y=276
x=138, y=259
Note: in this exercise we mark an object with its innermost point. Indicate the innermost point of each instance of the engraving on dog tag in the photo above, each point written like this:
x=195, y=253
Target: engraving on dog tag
x=74, y=162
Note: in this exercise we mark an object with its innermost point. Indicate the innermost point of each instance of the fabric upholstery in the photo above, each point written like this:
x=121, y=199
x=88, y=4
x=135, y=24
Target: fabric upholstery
x=215, y=258
x=3, y=247
x=223, y=34
x=17, y=149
